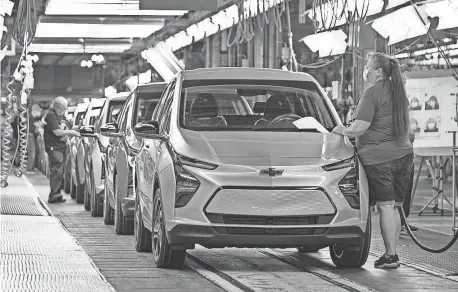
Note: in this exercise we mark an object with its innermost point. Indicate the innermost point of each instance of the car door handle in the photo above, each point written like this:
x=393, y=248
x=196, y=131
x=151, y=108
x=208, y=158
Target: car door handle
x=147, y=146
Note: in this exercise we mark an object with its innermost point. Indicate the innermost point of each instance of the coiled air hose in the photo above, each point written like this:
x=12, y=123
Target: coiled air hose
x=23, y=137
x=422, y=246
x=6, y=163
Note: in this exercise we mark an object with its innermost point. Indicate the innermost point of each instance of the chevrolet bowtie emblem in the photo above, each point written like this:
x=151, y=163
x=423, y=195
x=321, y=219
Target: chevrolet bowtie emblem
x=272, y=172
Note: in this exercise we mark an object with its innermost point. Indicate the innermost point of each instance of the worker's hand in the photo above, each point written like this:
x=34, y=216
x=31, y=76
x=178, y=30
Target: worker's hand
x=74, y=133
x=339, y=129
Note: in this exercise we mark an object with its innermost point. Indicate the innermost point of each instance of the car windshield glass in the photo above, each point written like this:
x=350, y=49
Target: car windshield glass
x=146, y=104
x=114, y=110
x=251, y=105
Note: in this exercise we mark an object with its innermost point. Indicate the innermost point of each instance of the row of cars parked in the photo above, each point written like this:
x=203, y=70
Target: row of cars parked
x=215, y=158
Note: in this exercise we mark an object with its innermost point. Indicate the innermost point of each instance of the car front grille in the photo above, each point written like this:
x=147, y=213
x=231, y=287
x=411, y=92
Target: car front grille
x=269, y=220
x=269, y=231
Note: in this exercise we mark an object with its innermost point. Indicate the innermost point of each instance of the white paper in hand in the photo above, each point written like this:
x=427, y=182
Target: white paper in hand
x=310, y=123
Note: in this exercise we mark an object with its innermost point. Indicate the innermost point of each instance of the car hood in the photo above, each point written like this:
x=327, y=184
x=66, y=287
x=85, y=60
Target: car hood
x=264, y=148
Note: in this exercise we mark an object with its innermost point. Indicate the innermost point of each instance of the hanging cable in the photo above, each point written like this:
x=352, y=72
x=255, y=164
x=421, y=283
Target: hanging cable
x=25, y=24
x=312, y=66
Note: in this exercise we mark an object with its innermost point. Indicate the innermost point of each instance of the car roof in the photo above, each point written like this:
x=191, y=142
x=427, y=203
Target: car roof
x=81, y=107
x=97, y=102
x=229, y=73
x=120, y=96
x=152, y=87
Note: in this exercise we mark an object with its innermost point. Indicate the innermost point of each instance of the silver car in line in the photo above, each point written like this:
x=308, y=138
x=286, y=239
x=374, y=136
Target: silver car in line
x=214, y=172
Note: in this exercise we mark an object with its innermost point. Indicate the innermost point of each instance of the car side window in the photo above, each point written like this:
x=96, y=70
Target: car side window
x=164, y=122
x=158, y=111
x=124, y=116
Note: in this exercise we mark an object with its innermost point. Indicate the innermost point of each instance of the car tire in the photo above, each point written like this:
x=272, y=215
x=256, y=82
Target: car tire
x=67, y=183
x=87, y=197
x=343, y=258
x=72, y=188
x=121, y=223
x=96, y=206
x=79, y=188
x=108, y=212
x=164, y=256
x=310, y=248
x=142, y=235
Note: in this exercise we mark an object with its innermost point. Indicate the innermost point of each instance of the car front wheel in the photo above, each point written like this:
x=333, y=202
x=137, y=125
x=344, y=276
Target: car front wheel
x=141, y=234
x=108, y=212
x=96, y=205
x=343, y=257
x=120, y=221
x=164, y=256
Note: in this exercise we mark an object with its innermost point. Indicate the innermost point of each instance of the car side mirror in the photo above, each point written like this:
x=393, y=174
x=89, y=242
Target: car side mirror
x=87, y=131
x=110, y=130
x=147, y=130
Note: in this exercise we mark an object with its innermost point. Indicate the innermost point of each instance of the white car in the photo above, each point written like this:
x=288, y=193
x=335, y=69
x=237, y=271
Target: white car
x=210, y=172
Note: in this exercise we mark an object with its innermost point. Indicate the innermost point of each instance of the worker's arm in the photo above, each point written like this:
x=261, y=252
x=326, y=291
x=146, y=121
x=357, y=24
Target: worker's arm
x=364, y=115
x=356, y=129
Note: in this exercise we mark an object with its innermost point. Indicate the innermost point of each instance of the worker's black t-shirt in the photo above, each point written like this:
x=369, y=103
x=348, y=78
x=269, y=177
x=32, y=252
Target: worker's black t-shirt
x=52, y=122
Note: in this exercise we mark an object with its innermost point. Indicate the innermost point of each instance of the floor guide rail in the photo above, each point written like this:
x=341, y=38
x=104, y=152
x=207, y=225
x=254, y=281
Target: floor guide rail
x=259, y=270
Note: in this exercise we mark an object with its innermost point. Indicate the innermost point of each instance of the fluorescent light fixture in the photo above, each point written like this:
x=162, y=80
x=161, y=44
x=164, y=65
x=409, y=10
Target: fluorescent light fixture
x=208, y=27
x=164, y=61
x=6, y=7
x=183, y=39
x=78, y=48
x=196, y=32
x=86, y=30
x=447, y=11
x=85, y=7
x=110, y=91
x=328, y=43
x=132, y=82
x=402, y=56
x=145, y=77
x=401, y=25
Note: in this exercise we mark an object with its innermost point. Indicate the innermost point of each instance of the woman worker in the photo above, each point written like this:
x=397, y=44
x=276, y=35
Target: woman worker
x=382, y=129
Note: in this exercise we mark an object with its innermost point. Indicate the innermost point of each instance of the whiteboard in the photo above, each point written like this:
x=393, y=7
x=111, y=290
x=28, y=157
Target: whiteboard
x=432, y=101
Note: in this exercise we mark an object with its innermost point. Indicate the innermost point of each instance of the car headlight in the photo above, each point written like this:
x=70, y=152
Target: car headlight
x=349, y=184
x=186, y=186
x=195, y=162
x=350, y=162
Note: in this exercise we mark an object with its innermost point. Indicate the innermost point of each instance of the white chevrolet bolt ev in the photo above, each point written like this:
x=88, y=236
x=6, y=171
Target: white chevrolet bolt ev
x=223, y=165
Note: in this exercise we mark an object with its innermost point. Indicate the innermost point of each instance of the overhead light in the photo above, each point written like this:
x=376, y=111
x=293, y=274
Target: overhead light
x=447, y=12
x=92, y=30
x=183, y=39
x=196, y=32
x=83, y=7
x=110, y=91
x=97, y=58
x=328, y=43
x=83, y=63
x=401, y=25
x=6, y=7
x=78, y=48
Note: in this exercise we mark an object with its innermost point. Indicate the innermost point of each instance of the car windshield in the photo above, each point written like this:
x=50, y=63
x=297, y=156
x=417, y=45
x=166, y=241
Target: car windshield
x=251, y=105
x=114, y=110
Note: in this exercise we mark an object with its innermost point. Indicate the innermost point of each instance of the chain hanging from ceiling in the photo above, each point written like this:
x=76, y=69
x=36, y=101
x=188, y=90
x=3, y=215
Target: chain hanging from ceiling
x=326, y=13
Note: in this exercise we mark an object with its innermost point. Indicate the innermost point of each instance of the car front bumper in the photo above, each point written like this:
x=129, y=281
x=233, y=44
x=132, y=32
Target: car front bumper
x=217, y=237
